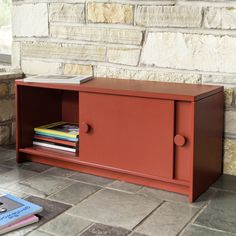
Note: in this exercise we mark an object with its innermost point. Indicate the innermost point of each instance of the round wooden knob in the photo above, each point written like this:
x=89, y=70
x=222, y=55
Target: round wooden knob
x=179, y=140
x=84, y=127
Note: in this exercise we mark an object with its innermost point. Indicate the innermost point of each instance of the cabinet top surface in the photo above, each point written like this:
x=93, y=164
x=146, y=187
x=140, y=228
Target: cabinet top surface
x=165, y=90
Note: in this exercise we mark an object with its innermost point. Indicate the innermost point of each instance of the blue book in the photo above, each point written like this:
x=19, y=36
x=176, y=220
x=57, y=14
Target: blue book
x=14, y=209
x=56, y=136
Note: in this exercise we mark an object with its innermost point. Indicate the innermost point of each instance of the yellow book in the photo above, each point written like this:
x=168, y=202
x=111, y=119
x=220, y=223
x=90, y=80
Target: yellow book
x=61, y=128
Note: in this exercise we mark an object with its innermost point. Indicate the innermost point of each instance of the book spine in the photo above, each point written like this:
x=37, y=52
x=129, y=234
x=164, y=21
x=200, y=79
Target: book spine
x=54, y=146
x=57, y=136
x=59, y=133
x=57, y=141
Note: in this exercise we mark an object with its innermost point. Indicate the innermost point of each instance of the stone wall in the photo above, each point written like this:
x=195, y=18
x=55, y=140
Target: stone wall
x=162, y=40
x=7, y=106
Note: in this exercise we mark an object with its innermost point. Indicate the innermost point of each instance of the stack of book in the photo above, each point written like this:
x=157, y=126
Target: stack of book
x=59, y=135
x=16, y=213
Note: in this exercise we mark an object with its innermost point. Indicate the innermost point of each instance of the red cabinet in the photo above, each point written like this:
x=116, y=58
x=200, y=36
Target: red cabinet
x=162, y=135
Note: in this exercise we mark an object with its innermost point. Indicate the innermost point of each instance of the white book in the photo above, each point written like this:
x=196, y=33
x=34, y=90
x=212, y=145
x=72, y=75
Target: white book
x=51, y=145
x=60, y=79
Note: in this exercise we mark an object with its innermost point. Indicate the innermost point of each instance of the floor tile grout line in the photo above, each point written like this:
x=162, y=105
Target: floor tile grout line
x=213, y=229
x=60, y=190
x=224, y=190
x=54, y=200
x=54, y=168
x=86, y=228
x=133, y=232
x=38, y=174
x=170, y=200
x=98, y=222
x=39, y=227
x=45, y=171
x=24, y=179
x=69, y=178
x=70, y=203
x=87, y=183
x=148, y=215
x=167, y=200
x=84, y=200
x=45, y=231
x=120, y=190
x=193, y=218
x=27, y=185
x=141, y=188
x=109, y=186
x=76, y=181
x=91, y=220
x=47, y=197
x=189, y=221
x=176, y=202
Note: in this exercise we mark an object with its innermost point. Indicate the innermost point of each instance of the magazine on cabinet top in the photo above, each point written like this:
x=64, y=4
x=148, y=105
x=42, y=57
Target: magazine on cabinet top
x=61, y=79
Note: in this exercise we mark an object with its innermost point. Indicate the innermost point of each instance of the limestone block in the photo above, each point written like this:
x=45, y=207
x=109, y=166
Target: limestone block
x=3, y=90
x=110, y=13
x=220, y=18
x=75, y=69
x=219, y=79
x=15, y=60
x=229, y=18
x=41, y=67
x=190, y=51
x=127, y=56
x=172, y=16
x=95, y=34
x=227, y=82
x=66, y=12
x=212, y=18
x=63, y=51
x=7, y=109
x=4, y=135
x=30, y=20
x=229, y=96
x=226, y=54
x=145, y=74
x=230, y=122
x=230, y=156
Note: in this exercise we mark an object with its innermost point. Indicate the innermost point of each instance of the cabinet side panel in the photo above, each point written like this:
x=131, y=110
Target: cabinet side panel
x=183, y=126
x=208, y=142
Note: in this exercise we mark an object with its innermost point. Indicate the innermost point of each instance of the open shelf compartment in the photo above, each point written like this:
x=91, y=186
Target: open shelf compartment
x=38, y=106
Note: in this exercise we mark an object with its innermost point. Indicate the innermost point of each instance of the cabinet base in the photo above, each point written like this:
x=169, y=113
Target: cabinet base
x=181, y=188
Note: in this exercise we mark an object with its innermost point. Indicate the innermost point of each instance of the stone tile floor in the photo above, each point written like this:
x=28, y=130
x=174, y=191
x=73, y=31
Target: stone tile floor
x=87, y=205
